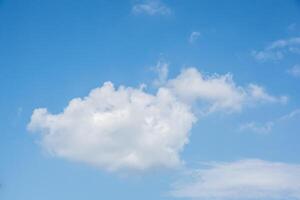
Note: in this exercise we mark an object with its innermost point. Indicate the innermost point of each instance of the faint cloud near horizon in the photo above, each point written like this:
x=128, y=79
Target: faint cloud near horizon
x=151, y=7
x=241, y=179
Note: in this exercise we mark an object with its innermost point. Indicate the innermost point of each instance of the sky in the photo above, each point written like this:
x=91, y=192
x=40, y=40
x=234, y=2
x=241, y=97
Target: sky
x=153, y=99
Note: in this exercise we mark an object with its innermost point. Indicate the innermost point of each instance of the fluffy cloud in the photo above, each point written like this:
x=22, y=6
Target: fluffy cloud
x=117, y=129
x=277, y=49
x=218, y=91
x=130, y=129
x=151, y=7
x=244, y=179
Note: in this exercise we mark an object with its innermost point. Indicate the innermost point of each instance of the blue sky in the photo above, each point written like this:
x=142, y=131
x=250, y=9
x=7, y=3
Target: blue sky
x=222, y=93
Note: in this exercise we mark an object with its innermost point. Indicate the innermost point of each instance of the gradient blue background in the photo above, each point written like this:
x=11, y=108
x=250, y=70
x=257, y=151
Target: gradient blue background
x=53, y=51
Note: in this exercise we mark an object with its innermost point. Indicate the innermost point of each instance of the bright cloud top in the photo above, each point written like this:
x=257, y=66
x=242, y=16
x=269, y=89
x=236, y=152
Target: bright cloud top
x=151, y=7
x=219, y=91
x=244, y=179
x=127, y=128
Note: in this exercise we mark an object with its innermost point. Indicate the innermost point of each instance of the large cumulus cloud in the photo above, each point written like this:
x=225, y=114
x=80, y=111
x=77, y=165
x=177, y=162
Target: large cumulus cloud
x=119, y=128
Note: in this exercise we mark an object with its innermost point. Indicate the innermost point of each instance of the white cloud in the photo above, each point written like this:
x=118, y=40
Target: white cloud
x=278, y=49
x=128, y=128
x=295, y=71
x=284, y=43
x=151, y=7
x=194, y=37
x=219, y=91
x=266, y=55
x=117, y=129
x=244, y=179
x=257, y=128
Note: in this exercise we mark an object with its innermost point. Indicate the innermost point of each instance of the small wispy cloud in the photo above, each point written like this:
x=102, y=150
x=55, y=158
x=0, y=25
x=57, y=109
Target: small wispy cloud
x=194, y=37
x=259, y=94
x=266, y=55
x=151, y=7
x=278, y=49
x=294, y=71
x=291, y=115
x=162, y=69
x=267, y=127
x=257, y=128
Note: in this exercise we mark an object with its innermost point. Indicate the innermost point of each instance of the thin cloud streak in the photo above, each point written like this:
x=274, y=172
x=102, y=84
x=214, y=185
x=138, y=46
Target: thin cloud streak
x=151, y=7
x=243, y=179
x=278, y=49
